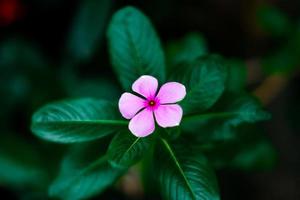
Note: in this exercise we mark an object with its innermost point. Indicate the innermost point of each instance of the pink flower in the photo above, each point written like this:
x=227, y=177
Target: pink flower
x=141, y=110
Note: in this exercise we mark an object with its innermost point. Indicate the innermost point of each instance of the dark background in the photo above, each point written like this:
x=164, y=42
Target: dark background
x=230, y=29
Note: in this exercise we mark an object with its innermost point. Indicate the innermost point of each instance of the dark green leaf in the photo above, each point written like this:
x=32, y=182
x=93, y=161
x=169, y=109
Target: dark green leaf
x=184, y=174
x=205, y=80
x=235, y=110
x=237, y=76
x=21, y=165
x=189, y=48
x=83, y=174
x=126, y=149
x=135, y=48
x=88, y=28
x=76, y=120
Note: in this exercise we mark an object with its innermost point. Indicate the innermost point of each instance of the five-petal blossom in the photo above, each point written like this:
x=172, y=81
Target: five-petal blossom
x=162, y=105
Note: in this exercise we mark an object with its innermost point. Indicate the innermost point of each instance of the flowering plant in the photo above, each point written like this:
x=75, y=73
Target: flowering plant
x=193, y=137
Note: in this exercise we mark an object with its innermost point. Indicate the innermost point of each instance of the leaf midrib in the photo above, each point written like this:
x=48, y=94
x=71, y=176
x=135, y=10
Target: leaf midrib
x=131, y=146
x=168, y=147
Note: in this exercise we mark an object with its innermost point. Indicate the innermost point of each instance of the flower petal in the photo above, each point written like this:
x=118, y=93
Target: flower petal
x=130, y=104
x=146, y=86
x=168, y=115
x=142, y=124
x=171, y=92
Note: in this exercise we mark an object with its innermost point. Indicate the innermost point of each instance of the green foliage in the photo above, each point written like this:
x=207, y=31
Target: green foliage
x=184, y=173
x=84, y=172
x=21, y=164
x=88, y=28
x=248, y=150
x=126, y=149
x=24, y=74
x=217, y=124
x=286, y=59
x=204, y=79
x=237, y=76
x=135, y=48
x=273, y=21
x=76, y=120
x=180, y=159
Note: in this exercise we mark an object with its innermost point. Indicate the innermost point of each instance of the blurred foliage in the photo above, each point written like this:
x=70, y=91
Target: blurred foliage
x=88, y=28
x=218, y=130
x=286, y=59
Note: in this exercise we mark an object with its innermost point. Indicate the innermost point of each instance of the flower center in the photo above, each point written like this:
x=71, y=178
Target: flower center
x=152, y=103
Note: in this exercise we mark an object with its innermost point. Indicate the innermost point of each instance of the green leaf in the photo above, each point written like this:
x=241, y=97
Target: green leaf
x=235, y=110
x=187, y=49
x=237, y=76
x=76, y=120
x=125, y=149
x=204, y=79
x=184, y=174
x=21, y=164
x=83, y=174
x=273, y=20
x=135, y=48
x=88, y=28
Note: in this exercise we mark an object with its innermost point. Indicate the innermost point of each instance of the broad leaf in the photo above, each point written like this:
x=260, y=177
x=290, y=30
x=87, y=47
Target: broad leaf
x=126, y=149
x=88, y=28
x=205, y=80
x=187, y=49
x=76, y=120
x=217, y=125
x=84, y=173
x=184, y=174
x=135, y=48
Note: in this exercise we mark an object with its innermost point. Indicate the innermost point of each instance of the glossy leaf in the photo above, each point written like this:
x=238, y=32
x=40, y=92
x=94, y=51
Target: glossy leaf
x=88, y=28
x=84, y=173
x=135, y=48
x=205, y=80
x=184, y=174
x=76, y=120
x=126, y=149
